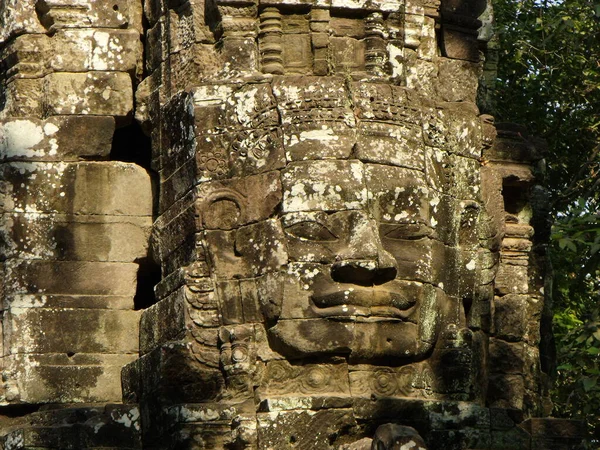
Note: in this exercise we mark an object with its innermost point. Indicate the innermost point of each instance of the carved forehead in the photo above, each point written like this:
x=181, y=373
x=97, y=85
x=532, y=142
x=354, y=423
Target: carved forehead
x=319, y=118
x=336, y=185
x=333, y=145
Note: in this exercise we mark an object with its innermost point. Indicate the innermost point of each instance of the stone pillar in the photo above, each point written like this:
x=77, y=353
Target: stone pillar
x=73, y=223
x=270, y=42
x=375, y=53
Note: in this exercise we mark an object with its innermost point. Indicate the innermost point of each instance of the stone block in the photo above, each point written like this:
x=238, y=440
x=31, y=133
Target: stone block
x=176, y=185
x=460, y=43
x=287, y=429
x=177, y=317
x=381, y=409
x=184, y=255
x=73, y=50
x=241, y=53
x=173, y=375
x=164, y=321
x=297, y=52
x=229, y=204
x=284, y=380
x=318, y=141
x=304, y=188
x=554, y=434
x=58, y=378
x=512, y=279
x=81, y=50
x=23, y=98
x=87, y=13
x=58, y=138
x=396, y=145
x=369, y=382
x=512, y=145
x=43, y=330
x=175, y=225
x=507, y=357
x=241, y=153
x=421, y=75
x=348, y=55
x=513, y=439
x=405, y=201
x=157, y=44
x=20, y=57
x=465, y=178
x=235, y=254
x=154, y=10
x=102, y=188
x=299, y=98
x=75, y=238
x=109, y=94
x=19, y=18
x=71, y=277
x=459, y=80
x=116, y=426
x=510, y=317
x=90, y=301
x=506, y=391
x=462, y=129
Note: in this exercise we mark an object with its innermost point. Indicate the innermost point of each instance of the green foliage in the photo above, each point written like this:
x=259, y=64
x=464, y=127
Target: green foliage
x=549, y=80
x=576, y=259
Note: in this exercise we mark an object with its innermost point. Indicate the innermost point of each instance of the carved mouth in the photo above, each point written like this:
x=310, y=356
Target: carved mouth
x=364, y=305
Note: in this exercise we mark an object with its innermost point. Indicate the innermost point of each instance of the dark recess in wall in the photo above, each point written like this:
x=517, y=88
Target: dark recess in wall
x=130, y=144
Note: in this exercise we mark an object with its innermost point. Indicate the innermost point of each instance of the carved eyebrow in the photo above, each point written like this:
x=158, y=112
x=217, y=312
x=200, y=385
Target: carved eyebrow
x=405, y=231
x=291, y=219
x=311, y=230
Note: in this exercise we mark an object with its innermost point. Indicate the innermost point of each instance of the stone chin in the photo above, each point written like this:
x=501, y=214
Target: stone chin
x=394, y=323
x=365, y=329
x=375, y=340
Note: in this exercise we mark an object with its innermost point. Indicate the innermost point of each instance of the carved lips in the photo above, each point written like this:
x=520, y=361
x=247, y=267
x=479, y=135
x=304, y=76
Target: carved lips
x=363, y=304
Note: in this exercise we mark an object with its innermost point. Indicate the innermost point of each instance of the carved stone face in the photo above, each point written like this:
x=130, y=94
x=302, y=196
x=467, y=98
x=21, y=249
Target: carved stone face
x=359, y=277
x=333, y=229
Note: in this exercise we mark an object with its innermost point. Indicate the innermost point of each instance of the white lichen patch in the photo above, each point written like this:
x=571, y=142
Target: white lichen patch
x=324, y=134
x=50, y=129
x=396, y=56
x=130, y=419
x=53, y=147
x=289, y=403
x=14, y=440
x=28, y=301
x=19, y=137
x=212, y=95
x=246, y=106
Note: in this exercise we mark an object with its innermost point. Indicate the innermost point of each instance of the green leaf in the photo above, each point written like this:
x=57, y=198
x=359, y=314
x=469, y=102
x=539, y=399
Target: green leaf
x=565, y=367
x=588, y=383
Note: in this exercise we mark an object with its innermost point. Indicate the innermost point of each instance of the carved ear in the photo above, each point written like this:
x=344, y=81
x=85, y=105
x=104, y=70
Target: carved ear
x=224, y=209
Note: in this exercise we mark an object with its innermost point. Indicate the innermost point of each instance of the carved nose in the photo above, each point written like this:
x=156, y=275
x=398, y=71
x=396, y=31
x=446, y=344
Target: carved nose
x=364, y=261
x=363, y=272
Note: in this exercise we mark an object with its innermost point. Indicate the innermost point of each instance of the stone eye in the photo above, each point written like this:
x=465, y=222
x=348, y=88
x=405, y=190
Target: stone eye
x=311, y=231
x=407, y=231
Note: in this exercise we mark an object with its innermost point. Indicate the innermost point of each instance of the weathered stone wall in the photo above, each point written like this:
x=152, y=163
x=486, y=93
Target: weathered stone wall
x=346, y=243
x=73, y=223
